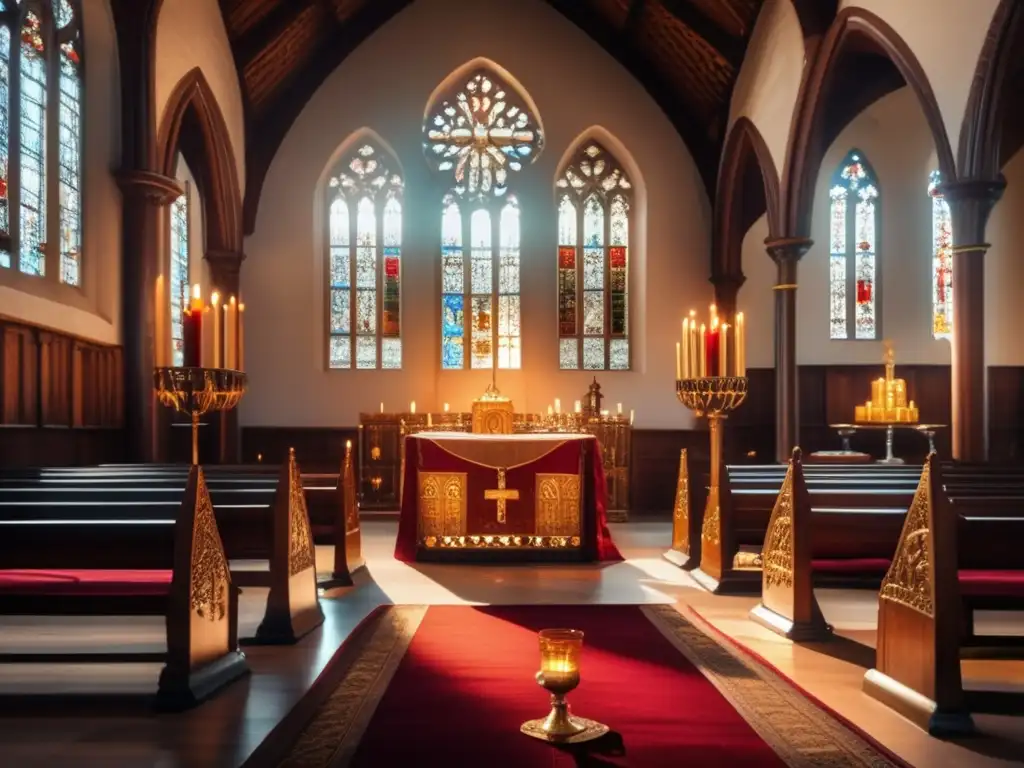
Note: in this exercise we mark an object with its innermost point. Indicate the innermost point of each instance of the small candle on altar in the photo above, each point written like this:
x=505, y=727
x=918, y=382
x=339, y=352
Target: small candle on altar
x=259, y=457
x=723, y=350
x=741, y=346
x=679, y=362
x=382, y=407
x=558, y=405
x=618, y=408
x=631, y=417
x=604, y=413
x=685, y=351
x=218, y=341
x=578, y=407
x=241, y=337
x=412, y=407
x=430, y=420
x=348, y=445
x=446, y=407
x=551, y=411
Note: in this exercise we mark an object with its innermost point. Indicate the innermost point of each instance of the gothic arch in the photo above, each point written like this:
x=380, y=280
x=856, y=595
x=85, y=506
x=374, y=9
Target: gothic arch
x=610, y=142
x=367, y=134
x=985, y=142
x=748, y=186
x=194, y=125
x=853, y=28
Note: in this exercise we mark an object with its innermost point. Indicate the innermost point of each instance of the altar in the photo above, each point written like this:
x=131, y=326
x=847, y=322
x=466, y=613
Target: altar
x=502, y=498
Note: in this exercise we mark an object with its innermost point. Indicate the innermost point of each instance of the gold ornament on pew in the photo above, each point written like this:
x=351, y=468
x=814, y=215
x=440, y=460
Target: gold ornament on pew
x=198, y=391
x=711, y=382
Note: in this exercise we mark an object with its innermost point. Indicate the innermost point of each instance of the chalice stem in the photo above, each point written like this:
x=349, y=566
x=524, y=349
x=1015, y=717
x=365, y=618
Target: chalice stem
x=558, y=723
x=195, y=438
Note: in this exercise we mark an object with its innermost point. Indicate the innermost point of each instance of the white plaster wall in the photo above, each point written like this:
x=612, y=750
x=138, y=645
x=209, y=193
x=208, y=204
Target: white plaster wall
x=189, y=34
x=946, y=37
x=575, y=85
x=1004, y=271
x=769, y=80
x=893, y=135
x=100, y=319
x=756, y=298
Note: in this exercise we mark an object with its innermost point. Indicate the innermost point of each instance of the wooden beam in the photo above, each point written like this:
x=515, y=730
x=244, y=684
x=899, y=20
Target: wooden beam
x=633, y=16
x=266, y=29
x=730, y=47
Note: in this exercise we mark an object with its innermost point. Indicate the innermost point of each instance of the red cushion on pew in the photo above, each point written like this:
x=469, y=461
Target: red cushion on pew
x=851, y=565
x=92, y=583
x=991, y=583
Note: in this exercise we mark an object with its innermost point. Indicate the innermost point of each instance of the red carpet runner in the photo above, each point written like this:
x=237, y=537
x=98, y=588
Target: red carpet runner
x=450, y=686
x=466, y=683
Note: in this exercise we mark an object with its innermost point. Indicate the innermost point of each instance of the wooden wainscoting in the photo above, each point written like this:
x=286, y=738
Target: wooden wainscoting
x=61, y=398
x=318, y=449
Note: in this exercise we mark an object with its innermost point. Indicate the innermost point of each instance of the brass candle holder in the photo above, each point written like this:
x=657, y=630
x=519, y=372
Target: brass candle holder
x=198, y=391
x=560, y=651
x=712, y=397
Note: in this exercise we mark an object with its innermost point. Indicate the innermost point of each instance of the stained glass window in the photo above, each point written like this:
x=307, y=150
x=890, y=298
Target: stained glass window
x=594, y=197
x=853, y=249
x=482, y=133
x=364, y=258
x=42, y=234
x=179, y=274
x=942, y=260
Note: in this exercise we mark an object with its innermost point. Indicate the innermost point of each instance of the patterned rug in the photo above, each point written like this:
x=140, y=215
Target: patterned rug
x=449, y=685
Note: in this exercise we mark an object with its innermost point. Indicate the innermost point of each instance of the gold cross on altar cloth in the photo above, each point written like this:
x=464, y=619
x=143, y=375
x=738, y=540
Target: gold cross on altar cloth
x=501, y=494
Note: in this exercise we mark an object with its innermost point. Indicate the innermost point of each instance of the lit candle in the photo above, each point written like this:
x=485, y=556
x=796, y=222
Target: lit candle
x=231, y=334
x=446, y=407
x=686, y=348
x=723, y=351
x=679, y=364
x=741, y=346
x=694, y=366
x=218, y=352
x=192, y=330
x=412, y=407
x=618, y=408
x=430, y=420
x=712, y=349
x=630, y=417
x=348, y=445
x=160, y=327
x=558, y=405
x=551, y=411
x=702, y=360
x=578, y=408
x=382, y=407
x=241, y=337
x=604, y=413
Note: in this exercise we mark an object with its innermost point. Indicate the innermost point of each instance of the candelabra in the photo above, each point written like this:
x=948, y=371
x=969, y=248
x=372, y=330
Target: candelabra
x=198, y=391
x=712, y=397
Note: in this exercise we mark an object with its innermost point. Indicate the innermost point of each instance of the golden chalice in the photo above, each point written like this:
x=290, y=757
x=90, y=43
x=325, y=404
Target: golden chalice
x=559, y=674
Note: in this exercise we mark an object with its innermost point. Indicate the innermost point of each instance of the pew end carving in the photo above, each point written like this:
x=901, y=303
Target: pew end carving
x=202, y=608
x=718, y=572
x=686, y=550
x=788, y=606
x=917, y=666
x=293, y=605
x=348, y=544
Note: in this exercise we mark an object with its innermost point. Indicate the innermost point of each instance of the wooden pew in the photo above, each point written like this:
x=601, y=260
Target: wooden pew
x=953, y=556
x=175, y=568
x=348, y=557
x=258, y=517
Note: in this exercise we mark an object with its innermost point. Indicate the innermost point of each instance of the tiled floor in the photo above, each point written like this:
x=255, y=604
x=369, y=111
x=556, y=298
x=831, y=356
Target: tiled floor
x=117, y=730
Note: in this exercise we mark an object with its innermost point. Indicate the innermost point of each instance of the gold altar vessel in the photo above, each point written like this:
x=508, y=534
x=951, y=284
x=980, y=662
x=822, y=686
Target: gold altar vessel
x=492, y=413
x=198, y=391
x=711, y=383
x=560, y=651
x=888, y=403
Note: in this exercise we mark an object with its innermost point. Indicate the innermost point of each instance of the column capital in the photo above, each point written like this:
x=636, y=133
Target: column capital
x=729, y=281
x=970, y=203
x=225, y=262
x=787, y=248
x=149, y=185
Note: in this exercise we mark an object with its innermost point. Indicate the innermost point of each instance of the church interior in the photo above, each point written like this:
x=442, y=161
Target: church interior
x=558, y=382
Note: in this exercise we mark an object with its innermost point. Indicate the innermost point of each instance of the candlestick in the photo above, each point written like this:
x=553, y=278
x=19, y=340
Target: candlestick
x=218, y=341
x=241, y=337
x=723, y=352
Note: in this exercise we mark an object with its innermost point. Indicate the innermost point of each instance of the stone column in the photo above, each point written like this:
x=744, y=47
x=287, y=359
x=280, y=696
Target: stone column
x=727, y=288
x=786, y=253
x=145, y=238
x=970, y=203
x=225, y=269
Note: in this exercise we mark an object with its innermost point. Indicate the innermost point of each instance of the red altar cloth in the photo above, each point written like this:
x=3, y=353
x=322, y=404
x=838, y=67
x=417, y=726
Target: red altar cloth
x=558, y=508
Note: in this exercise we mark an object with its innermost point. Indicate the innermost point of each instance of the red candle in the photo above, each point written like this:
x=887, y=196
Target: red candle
x=192, y=330
x=712, y=347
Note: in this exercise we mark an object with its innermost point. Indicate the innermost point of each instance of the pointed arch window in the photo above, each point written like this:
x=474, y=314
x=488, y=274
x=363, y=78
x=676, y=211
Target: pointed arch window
x=179, y=272
x=594, y=200
x=41, y=139
x=942, y=260
x=364, y=221
x=853, y=250
x=482, y=133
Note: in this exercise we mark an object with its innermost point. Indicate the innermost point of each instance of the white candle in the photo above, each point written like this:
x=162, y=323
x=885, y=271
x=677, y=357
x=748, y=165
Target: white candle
x=231, y=332
x=723, y=350
x=382, y=407
x=446, y=407
x=679, y=364
x=578, y=407
x=618, y=408
x=558, y=405
x=218, y=339
x=241, y=337
x=551, y=411
x=430, y=420
x=412, y=407
x=631, y=417
x=685, y=349
x=741, y=346
x=604, y=413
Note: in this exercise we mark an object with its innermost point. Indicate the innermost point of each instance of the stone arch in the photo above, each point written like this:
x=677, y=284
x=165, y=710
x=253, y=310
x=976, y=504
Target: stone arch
x=365, y=133
x=194, y=126
x=748, y=186
x=985, y=142
x=853, y=28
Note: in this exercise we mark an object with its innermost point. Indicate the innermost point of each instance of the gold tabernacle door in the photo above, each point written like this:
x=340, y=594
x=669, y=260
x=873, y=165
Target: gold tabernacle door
x=499, y=492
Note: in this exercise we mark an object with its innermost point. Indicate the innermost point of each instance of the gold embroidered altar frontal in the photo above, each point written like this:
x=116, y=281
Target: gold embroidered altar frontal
x=499, y=491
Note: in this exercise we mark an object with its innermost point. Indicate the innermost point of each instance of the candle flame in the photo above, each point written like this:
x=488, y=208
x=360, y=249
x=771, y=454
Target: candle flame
x=348, y=445
x=196, y=291
x=232, y=301
x=241, y=307
x=215, y=298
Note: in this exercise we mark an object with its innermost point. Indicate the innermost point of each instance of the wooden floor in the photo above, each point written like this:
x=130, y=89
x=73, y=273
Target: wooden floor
x=117, y=731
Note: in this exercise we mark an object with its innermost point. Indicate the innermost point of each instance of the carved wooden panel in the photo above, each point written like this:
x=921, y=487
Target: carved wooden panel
x=285, y=55
x=20, y=375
